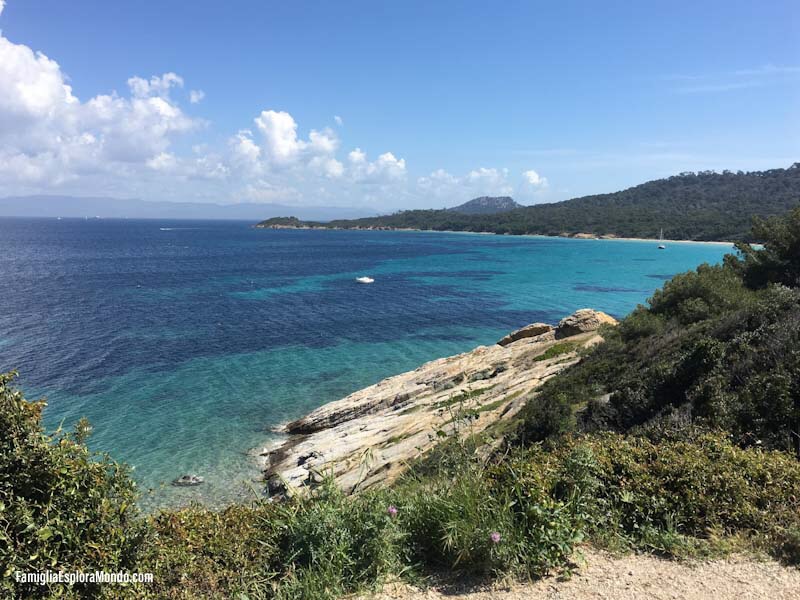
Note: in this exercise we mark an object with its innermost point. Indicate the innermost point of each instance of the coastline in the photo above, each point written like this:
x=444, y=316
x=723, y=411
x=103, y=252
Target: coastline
x=370, y=437
x=577, y=236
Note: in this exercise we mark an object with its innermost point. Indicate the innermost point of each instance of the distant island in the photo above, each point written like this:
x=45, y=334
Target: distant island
x=703, y=206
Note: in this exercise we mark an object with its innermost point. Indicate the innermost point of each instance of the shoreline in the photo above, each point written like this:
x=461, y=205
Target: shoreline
x=578, y=236
x=370, y=437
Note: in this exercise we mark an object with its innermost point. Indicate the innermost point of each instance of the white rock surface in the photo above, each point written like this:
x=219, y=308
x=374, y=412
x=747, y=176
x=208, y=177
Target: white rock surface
x=369, y=437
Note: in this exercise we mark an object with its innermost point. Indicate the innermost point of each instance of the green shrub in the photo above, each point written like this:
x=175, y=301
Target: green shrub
x=718, y=348
x=455, y=518
x=62, y=508
x=329, y=544
x=630, y=491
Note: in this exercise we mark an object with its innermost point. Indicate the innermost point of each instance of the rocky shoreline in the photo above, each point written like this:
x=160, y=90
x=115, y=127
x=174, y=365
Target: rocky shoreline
x=369, y=437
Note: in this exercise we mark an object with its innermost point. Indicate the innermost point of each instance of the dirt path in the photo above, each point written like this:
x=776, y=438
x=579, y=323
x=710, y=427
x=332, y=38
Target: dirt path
x=637, y=577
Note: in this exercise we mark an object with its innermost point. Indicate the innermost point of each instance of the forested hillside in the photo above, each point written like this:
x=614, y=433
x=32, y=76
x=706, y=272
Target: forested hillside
x=693, y=206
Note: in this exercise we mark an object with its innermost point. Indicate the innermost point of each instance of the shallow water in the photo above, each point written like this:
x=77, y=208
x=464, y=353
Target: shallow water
x=184, y=342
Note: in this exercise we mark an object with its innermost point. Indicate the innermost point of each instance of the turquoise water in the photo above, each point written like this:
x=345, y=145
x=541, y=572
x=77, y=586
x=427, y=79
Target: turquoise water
x=184, y=347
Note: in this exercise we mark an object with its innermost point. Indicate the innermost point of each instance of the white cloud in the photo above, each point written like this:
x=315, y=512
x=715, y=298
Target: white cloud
x=490, y=178
x=339, y=121
x=534, y=179
x=279, y=130
x=2, y=6
x=323, y=142
x=125, y=144
x=386, y=168
x=245, y=152
x=163, y=162
x=329, y=167
x=483, y=181
x=50, y=136
x=156, y=86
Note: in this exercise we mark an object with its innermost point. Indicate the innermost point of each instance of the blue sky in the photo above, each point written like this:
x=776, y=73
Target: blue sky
x=436, y=101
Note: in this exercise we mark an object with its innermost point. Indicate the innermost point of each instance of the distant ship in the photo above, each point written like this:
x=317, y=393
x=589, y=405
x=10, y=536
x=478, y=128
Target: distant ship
x=365, y=280
x=661, y=239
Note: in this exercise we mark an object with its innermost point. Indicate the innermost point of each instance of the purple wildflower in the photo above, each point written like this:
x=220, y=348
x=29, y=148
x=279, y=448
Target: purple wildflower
x=392, y=510
x=495, y=537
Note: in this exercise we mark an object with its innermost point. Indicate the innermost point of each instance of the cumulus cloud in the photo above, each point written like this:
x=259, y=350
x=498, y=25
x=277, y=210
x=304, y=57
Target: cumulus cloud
x=2, y=6
x=483, y=181
x=126, y=143
x=48, y=135
x=534, y=179
x=329, y=167
x=156, y=86
x=386, y=168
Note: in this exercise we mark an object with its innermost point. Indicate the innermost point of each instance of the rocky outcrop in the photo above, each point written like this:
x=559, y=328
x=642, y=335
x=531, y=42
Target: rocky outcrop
x=532, y=330
x=582, y=321
x=369, y=437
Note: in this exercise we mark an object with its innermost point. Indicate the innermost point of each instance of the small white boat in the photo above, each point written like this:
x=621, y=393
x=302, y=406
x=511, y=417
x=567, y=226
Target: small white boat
x=661, y=239
x=365, y=280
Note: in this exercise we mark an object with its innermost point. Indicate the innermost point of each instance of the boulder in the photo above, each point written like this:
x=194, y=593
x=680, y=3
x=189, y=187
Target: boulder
x=582, y=321
x=526, y=332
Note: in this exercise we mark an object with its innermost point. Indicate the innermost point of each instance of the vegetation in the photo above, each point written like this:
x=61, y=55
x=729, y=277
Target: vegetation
x=692, y=206
x=486, y=205
x=684, y=495
x=716, y=348
x=677, y=435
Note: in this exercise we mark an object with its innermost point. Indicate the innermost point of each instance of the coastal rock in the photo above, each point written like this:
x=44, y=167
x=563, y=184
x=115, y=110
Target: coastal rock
x=187, y=481
x=533, y=330
x=369, y=437
x=582, y=321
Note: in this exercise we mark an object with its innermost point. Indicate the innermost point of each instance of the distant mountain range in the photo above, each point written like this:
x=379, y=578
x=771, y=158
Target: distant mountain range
x=486, y=205
x=689, y=206
x=70, y=206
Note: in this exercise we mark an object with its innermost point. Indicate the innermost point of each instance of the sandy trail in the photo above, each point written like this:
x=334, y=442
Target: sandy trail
x=635, y=577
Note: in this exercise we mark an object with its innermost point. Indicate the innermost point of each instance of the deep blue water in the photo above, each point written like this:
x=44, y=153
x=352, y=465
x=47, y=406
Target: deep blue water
x=183, y=342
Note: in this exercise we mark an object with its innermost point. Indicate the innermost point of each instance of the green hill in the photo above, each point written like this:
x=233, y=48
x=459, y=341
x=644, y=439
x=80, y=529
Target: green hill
x=486, y=205
x=694, y=206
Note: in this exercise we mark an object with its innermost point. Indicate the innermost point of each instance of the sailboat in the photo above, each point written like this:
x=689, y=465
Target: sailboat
x=661, y=246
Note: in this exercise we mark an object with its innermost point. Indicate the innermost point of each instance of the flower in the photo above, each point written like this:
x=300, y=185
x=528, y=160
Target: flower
x=495, y=537
x=392, y=510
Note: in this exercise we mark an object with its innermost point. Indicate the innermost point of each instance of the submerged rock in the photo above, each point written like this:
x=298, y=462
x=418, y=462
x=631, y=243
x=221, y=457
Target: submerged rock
x=188, y=480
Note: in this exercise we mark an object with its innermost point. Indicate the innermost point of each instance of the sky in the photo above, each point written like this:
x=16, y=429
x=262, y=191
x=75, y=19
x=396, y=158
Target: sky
x=389, y=105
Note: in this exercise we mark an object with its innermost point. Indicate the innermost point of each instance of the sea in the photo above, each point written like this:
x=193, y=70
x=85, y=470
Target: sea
x=186, y=342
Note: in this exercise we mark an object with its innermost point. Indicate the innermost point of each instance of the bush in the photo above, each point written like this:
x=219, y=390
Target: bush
x=462, y=522
x=711, y=350
x=61, y=507
x=632, y=492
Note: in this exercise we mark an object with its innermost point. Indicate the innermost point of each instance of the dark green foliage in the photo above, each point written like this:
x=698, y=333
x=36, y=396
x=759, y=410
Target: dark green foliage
x=281, y=222
x=697, y=206
x=61, y=508
x=779, y=261
x=718, y=347
x=676, y=496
